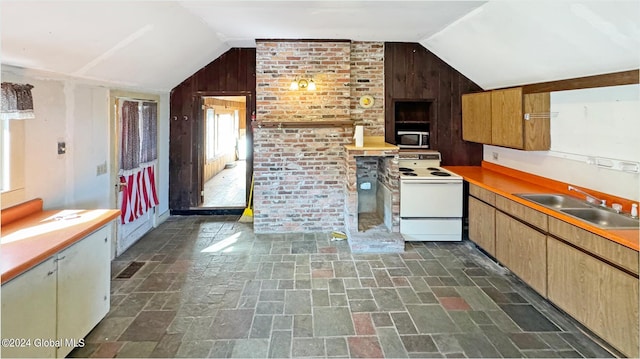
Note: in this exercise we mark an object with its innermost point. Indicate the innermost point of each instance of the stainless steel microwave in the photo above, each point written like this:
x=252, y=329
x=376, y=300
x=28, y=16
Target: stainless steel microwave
x=412, y=139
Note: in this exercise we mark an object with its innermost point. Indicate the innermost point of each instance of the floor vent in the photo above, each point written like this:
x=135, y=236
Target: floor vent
x=130, y=270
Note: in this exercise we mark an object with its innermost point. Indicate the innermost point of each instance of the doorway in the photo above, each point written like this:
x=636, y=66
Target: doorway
x=224, y=157
x=134, y=149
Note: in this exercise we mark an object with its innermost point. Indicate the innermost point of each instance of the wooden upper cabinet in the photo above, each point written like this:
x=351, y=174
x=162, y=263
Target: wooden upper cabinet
x=498, y=118
x=476, y=117
x=506, y=118
x=537, y=130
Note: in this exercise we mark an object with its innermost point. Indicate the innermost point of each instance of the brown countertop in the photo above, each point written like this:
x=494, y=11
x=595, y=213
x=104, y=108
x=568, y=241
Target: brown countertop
x=30, y=240
x=502, y=181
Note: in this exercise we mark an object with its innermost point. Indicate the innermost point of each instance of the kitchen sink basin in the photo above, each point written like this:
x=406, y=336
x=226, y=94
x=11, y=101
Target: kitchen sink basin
x=602, y=218
x=555, y=201
x=581, y=210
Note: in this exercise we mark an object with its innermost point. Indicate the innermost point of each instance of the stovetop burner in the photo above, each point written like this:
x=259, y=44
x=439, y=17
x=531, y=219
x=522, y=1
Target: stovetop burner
x=409, y=174
x=433, y=168
x=440, y=173
x=405, y=169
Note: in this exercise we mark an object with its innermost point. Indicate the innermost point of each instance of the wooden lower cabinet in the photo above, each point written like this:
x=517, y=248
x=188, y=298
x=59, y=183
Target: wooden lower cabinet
x=523, y=250
x=482, y=229
x=598, y=295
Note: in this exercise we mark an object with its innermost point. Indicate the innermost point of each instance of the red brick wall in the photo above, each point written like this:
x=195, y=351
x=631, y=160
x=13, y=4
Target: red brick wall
x=279, y=62
x=367, y=78
x=300, y=175
x=299, y=179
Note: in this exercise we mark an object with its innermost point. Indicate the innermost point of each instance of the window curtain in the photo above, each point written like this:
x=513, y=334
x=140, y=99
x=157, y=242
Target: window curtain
x=138, y=157
x=149, y=151
x=130, y=150
x=17, y=102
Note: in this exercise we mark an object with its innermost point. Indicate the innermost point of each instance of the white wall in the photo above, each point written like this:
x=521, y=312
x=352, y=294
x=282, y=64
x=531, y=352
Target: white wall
x=590, y=123
x=78, y=113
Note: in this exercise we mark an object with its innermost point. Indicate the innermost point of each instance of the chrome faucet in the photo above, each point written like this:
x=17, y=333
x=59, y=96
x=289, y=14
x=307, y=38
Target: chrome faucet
x=590, y=198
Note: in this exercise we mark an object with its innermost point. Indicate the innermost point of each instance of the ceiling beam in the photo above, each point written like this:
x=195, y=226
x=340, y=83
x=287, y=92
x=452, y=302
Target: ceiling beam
x=612, y=79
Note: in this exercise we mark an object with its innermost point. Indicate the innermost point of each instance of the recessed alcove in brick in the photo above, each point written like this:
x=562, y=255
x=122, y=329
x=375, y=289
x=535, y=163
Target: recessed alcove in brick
x=380, y=210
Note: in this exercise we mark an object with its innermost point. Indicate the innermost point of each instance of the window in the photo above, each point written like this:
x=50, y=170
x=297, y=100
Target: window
x=17, y=104
x=220, y=133
x=5, y=158
x=210, y=134
x=12, y=161
x=225, y=141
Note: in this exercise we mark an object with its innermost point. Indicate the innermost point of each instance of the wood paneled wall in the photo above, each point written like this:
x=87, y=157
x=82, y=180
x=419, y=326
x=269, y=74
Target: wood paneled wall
x=414, y=73
x=232, y=74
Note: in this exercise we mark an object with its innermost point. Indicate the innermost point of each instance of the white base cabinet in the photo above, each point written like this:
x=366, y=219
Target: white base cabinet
x=58, y=302
x=83, y=288
x=29, y=313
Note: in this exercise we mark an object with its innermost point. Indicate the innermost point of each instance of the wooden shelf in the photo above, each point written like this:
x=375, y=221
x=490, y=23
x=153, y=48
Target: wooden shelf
x=302, y=124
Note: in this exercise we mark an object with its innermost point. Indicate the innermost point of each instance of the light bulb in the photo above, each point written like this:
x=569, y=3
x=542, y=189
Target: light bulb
x=312, y=86
x=294, y=85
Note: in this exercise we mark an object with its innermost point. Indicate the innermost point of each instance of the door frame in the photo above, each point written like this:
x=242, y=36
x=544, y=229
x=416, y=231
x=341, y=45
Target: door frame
x=198, y=102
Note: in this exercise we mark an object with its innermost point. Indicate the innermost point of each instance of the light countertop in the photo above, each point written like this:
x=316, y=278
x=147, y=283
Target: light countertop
x=28, y=241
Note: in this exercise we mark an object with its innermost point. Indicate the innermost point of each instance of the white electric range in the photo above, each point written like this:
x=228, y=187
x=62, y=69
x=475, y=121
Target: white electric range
x=430, y=198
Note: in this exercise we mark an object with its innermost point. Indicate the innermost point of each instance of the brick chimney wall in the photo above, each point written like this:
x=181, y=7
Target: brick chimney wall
x=367, y=78
x=300, y=175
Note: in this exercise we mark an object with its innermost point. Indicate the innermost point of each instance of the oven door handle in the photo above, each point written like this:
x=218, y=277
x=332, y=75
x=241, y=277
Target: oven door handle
x=430, y=182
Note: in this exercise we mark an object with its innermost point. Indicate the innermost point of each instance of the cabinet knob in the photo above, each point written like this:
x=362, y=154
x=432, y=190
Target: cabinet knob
x=50, y=272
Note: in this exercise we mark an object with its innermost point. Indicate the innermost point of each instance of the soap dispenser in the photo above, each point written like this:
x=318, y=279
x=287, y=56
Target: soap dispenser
x=634, y=210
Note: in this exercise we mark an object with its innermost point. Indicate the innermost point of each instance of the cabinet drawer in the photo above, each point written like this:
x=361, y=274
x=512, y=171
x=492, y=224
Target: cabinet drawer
x=531, y=216
x=602, y=247
x=482, y=194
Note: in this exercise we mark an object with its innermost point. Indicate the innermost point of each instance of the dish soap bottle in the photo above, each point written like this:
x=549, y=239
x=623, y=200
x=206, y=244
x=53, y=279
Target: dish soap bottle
x=634, y=210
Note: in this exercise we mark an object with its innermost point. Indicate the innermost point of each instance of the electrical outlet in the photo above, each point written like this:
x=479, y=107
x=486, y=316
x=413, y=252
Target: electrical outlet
x=494, y=155
x=101, y=169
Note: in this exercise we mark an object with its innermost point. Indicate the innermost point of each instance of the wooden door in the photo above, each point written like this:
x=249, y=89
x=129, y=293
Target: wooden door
x=600, y=296
x=506, y=117
x=482, y=227
x=523, y=250
x=476, y=117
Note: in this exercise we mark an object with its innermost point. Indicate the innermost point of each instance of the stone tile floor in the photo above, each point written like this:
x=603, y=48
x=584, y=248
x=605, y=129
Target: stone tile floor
x=210, y=287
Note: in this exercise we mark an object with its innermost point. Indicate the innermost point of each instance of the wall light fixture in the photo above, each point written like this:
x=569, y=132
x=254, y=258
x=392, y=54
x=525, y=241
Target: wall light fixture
x=303, y=84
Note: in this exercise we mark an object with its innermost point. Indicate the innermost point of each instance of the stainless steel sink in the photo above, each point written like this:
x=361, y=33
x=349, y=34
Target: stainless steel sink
x=581, y=210
x=555, y=201
x=603, y=218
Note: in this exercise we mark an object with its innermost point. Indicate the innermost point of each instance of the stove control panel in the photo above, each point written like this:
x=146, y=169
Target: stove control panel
x=420, y=156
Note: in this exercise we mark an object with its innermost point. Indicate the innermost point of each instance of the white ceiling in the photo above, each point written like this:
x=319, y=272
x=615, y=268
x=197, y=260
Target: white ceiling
x=155, y=45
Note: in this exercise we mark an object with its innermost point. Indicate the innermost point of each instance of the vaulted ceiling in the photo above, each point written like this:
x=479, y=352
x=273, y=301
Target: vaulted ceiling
x=154, y=45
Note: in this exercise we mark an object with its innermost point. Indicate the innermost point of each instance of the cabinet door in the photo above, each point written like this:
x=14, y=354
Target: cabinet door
x=482, y=229
x=507, y=118
x=537, y=130
x=83, y=286
x=600, y=296
x=29, y=312
x=476, y=117
x=523, y=250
